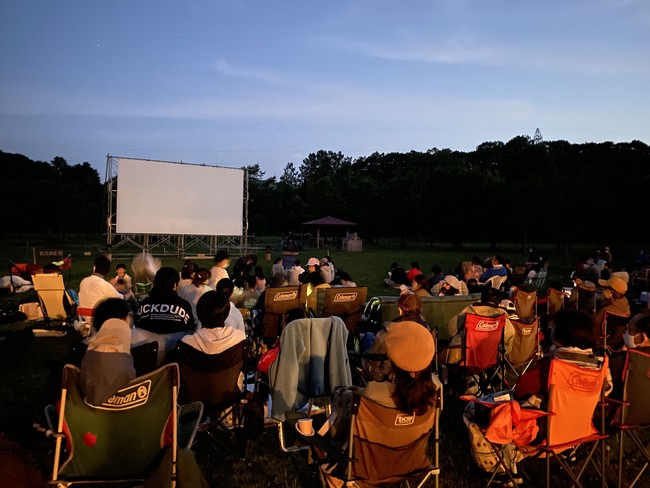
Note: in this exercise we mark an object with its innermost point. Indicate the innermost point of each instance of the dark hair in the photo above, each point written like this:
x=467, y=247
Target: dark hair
x=491, y=296
x=296, y=262
x=220, y=256
x=225, y=286
x=415, y=264
x=259, y=272
x=111, y=308
x=212, y=309
x=188, y=269
x=250, y=281
x=499, y=259
x=413, y=393
x=643, y=326
x=295, y=314
x=422, y=281
x=409, y=303
x=315, y=278
x=277, y=260
x=102, y=265
x=120, y=266
x=165, y=279
x=344, y=275
x=435, y=269
x=573, y=328
x=50, y=268
x=201, y=276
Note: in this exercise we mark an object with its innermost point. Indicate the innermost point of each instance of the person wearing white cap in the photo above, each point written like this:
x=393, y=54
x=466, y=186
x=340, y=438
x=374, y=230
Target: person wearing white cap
x=450, y=286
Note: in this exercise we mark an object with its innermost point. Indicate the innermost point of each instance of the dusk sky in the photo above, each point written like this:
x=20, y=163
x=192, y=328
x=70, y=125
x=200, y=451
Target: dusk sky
x=238, y=82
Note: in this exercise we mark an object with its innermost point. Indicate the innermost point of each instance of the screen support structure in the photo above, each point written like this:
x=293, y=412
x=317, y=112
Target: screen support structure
x=165, y=244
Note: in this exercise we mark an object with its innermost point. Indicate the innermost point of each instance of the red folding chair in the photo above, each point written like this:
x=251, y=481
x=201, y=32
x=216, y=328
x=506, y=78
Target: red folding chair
x=483, y=348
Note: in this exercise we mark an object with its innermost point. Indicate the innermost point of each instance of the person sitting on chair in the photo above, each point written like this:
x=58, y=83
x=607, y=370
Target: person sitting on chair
x=407, y=387
x=497, y=269
x=234, y=318
x=215, y=336
x=376, y=364
x=107, y=365
x=488, y=307
x=573, y=340
x=614, y=301
x=163, y=315
x=219, y=270
x=420, y=286
x=94, y=288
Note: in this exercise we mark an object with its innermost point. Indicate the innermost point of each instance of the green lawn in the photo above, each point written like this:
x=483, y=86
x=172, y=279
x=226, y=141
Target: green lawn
x=29, y=369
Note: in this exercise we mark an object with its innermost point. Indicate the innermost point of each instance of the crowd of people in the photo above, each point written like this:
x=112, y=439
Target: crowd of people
x=202, y=309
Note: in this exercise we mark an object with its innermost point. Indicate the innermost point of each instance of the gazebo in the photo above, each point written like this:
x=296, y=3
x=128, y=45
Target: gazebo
x=327, y=222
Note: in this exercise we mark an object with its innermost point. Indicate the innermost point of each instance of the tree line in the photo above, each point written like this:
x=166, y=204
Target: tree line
x=523, y=190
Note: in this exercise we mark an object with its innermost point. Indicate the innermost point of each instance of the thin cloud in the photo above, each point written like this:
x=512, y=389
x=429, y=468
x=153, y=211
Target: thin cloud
x=462, y=49
x=225, y=68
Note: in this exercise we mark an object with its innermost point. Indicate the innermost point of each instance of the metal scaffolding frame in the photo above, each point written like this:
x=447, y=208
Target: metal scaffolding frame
x=165, y=244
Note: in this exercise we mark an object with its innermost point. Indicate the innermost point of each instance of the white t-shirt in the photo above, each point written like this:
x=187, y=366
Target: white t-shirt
x=93, y=289
x=235, y=319
x=217, y=274
x=294, y=273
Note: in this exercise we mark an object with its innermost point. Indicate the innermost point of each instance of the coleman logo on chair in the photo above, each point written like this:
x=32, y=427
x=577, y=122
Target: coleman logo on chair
x=526, y=331
x=284, y=296
x=345, y=297
x=126, y=398
x=582, y=382
x=404, y=419
x=487, y=325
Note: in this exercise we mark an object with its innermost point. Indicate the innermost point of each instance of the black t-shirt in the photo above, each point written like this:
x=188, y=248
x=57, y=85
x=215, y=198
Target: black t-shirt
x=164, y=313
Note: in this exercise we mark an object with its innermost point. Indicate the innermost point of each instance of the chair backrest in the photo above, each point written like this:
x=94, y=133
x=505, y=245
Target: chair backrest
x=525, y=302
x=277, y=302
x=612, y=330
x=123, y=437
x=540, y=278
x=586, y=300
x=525, y=341
x=555, y=301
x=635, y=409
x=52, y=296
x=313, y=360
x=346, y=303
x=496, y=281
x=145, y=357
x=389, y=445
x=210, y=378
x=482, y=341
x=574, y=393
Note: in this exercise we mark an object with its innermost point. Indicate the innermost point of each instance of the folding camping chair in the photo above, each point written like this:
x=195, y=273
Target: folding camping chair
x=55, y=302
x=213, y=379
x=123, y=438
x=312, y=362
x=525, y=304
x=525, y=348
x=384, y=445
x=555, y=301
x=574, y=394
x=494, y=282
x=612, y=330
x=277, y=302
x=145, y=356
x=483, y=349
x=633, y=413
x=346, y=303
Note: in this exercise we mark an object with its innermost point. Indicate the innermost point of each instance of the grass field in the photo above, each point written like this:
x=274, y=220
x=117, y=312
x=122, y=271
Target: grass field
x=29, y=369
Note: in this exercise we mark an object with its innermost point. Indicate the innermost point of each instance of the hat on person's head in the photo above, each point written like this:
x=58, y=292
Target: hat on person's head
x=615, y=283
x=452, y=281
x=313, y=262
x=323, y=261
x=624, y=275
x=410, y=346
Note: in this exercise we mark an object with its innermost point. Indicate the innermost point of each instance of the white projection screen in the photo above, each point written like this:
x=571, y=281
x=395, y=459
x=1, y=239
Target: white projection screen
x=156, y=197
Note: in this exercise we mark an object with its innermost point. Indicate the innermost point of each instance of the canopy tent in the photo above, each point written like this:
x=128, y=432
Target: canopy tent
x=328, y=221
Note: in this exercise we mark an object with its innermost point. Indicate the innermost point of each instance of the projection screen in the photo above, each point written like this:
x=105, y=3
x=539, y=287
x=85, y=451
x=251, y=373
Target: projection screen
x=156, y=197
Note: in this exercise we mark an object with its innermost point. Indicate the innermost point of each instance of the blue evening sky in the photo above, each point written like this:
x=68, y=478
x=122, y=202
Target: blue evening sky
x=237, y=82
